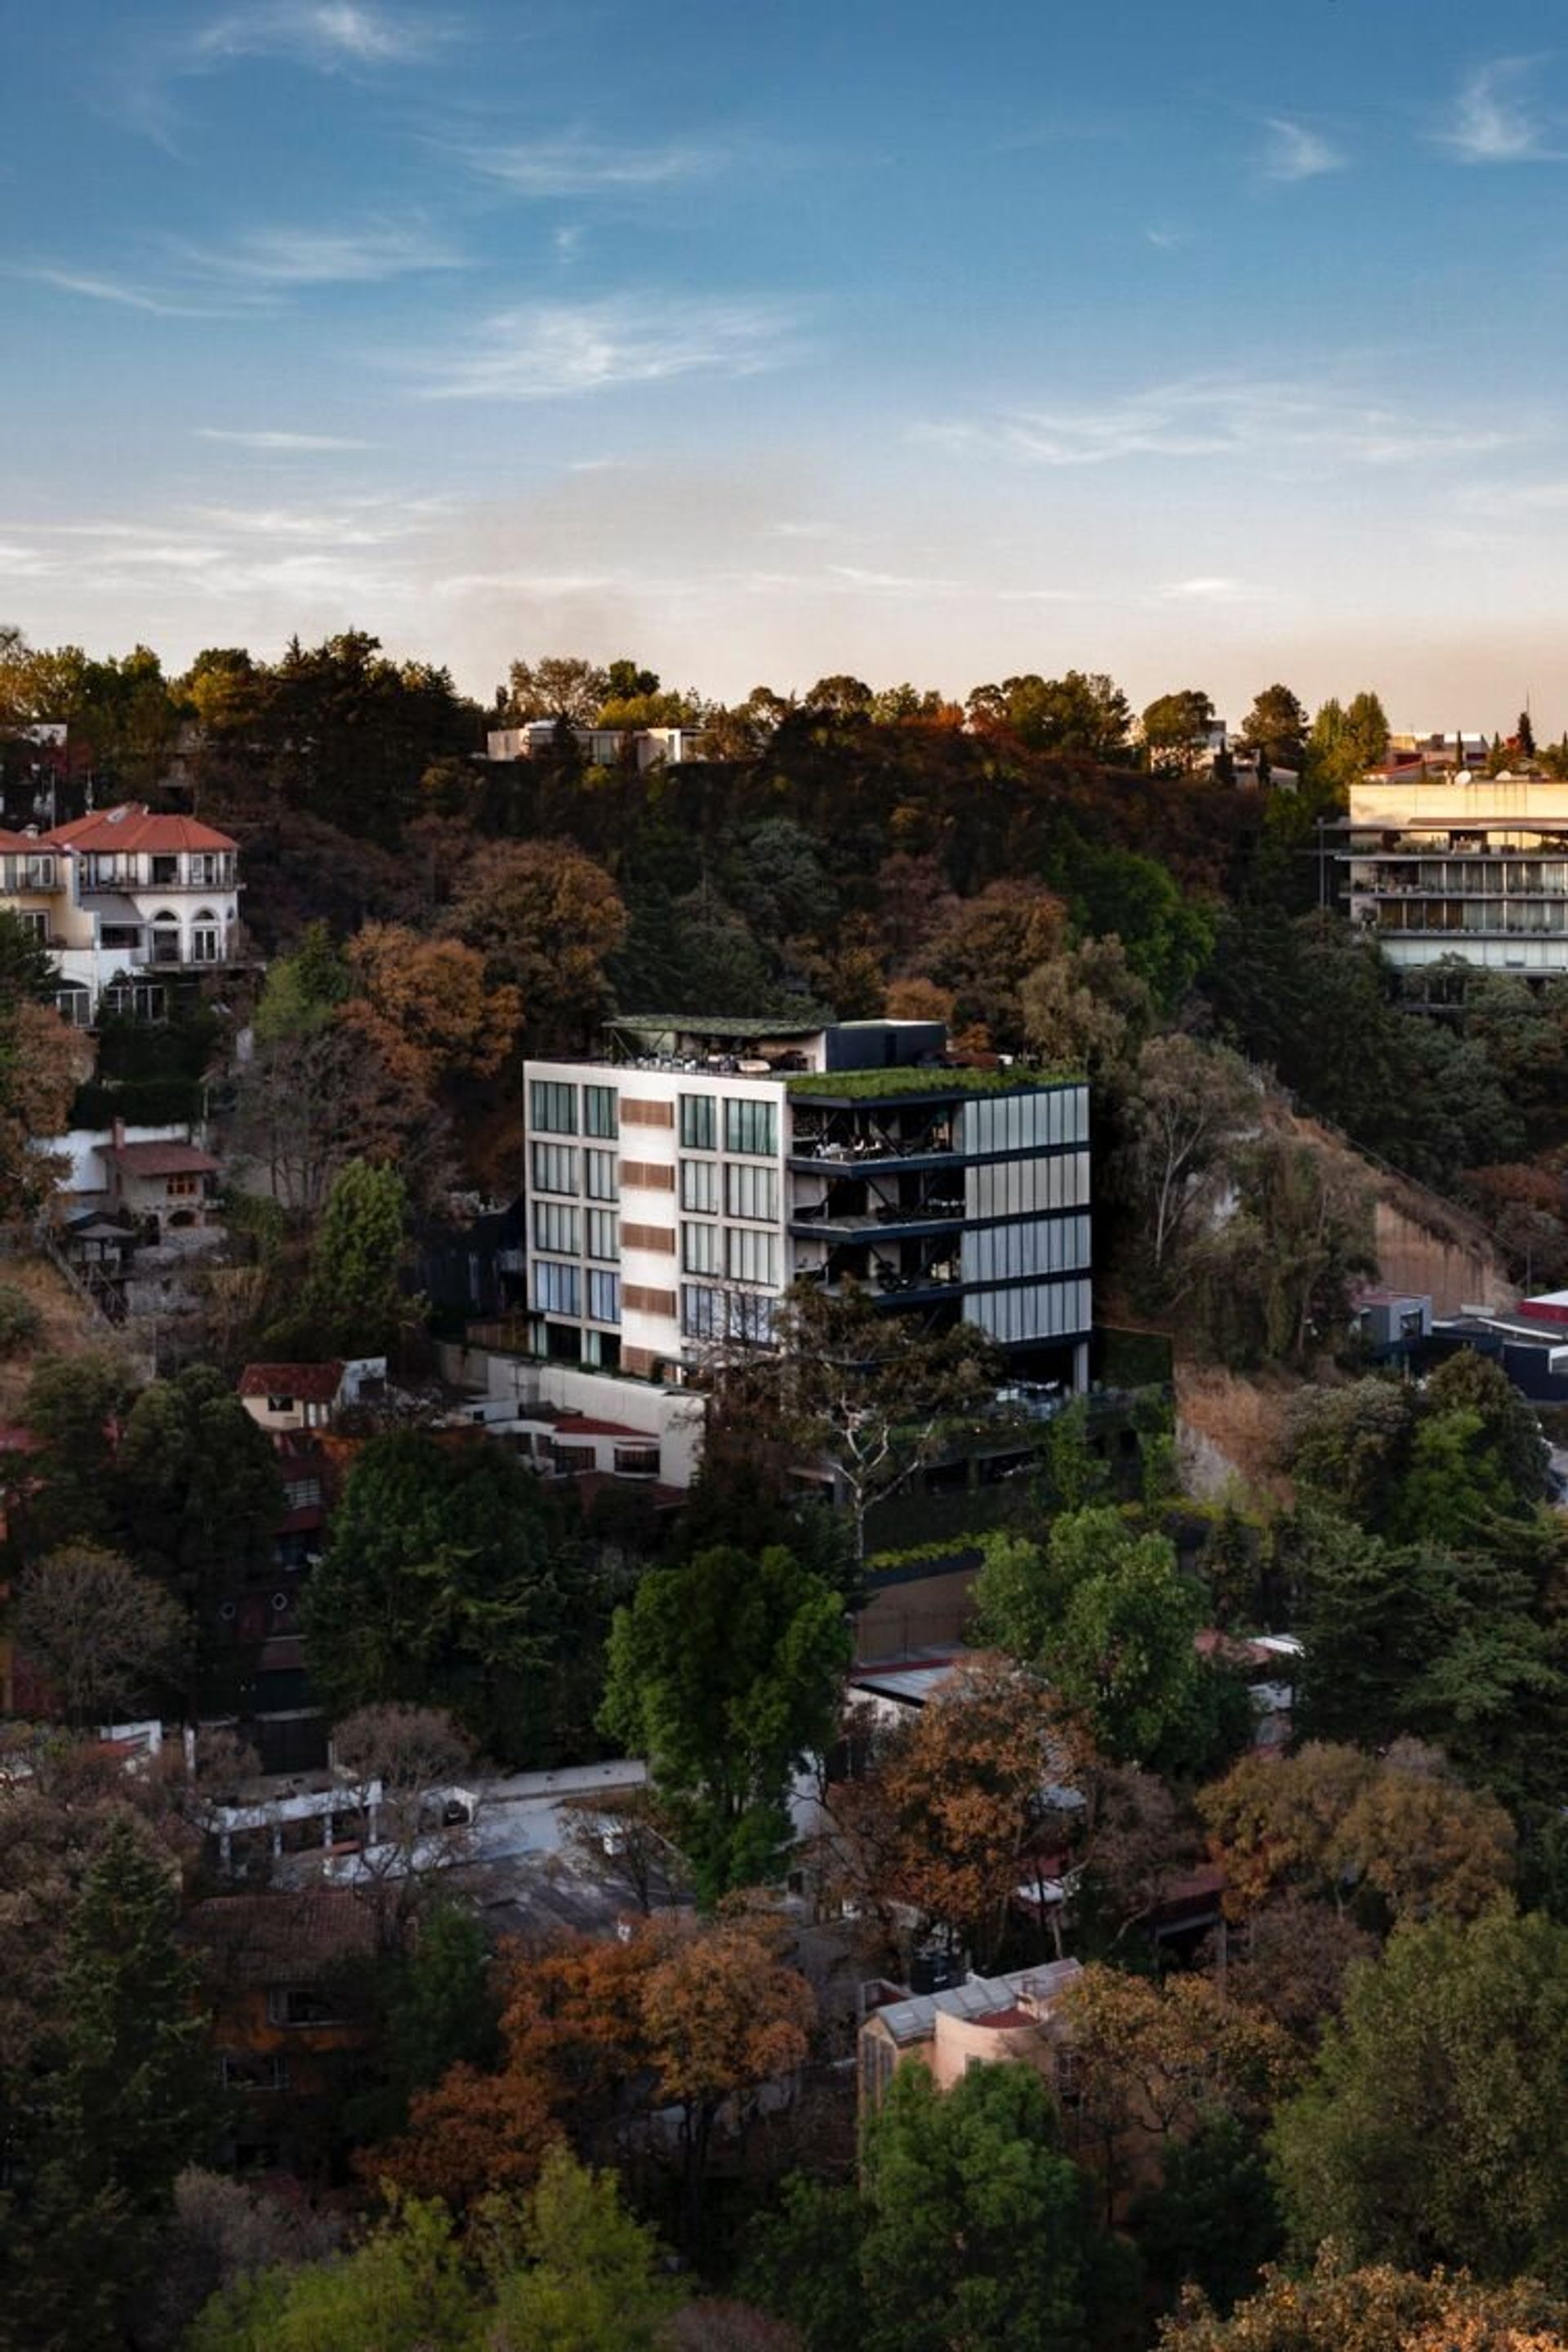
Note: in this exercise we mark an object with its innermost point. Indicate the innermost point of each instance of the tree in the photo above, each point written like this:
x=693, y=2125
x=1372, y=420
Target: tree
x=864, y=1394
x=73, y=1405
x=559, y=686
x=197, y=1491
x=1175, y=729
x=353, y=1296
x=1375, y=2309
x=1158, y=2063
x=1121, y=1656
x=42, y=1063
x=445, y=1584
x=102, y=1635
x=303, y=990
x=310, y=1102
x=1296, y=1962
x=1189, y=1106
x=583, y=2276
x=1276, y=726
x=410, y=1757
x=546, y=919
x=725, y=1671
x=405, y=2288
x=1428, y=2130
x=124, y=2103
x=987, y=947
x=977, y=2229
x=1088, y=1010
x=1214, y=2221
x=427, y=1008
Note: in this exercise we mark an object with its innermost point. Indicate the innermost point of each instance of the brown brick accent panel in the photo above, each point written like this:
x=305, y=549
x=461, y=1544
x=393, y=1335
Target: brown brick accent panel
x=648, y=1238
x=639, y=1361
x=647, y=1176
x=647, y=1302
x=646, y=1114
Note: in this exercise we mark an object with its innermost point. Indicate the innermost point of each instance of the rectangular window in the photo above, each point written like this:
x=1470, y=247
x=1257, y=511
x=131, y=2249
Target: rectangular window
x=699, y=1186
x=602, y=1184
x=599, y=1111
x=752, y=1192
x=699, y=1123
x=37, y=873
x=604, y=1234
x=555, y=1227
x=636, y=1462
x=701, y=1311
x=302, y=2005
x=553, y=1290
x=603, y=1297
x=303, y=1494
x=750, y=1127
x=552, y=1107
x=36, y=922
x=700, y=1249
x=749, y=1256
x=206, y=869
x=165, y=872
x=554, y=1168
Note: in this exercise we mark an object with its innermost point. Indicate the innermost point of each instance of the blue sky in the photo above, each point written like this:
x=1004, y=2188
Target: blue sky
x=1204, y=345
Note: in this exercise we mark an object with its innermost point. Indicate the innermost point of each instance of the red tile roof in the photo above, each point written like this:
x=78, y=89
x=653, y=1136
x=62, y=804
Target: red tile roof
x=133, y=826
x=583, y=1425
x=161, y=1159
x=314, y=1383
x=283, y=1938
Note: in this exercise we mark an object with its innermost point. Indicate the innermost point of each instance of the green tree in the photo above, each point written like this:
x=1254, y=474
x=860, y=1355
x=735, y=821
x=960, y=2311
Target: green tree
x=1121, y=1655
x=198, y=1493
x=353, y=1296
x=1214, y=2221
x=1275, y=726
x=73, y=1405
x=303, y=990
x=978, y=2231
x=406, y=2288
x=1430, y=2130
x=445, y=1584
x=591, y=2279
x=124, y=2101
x=1175, y=729
x=725, y=1671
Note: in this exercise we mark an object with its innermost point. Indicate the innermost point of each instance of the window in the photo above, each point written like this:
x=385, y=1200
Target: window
x=604, y=1234
x=699, y=1123
x=571, y=1461
x=752, y=1192
x=303, y=1494
x=699, y=1185
x=636, y=1461
x=207, y=938
x=261, y=2070
x=74, y=1005
x=301, y=2005
x=552, y=1107
x=182, y=1188
x=701, y=1311
x=206, y=869
x=603, y=1297
x=35, y=921
x=553, y=1290
x=599, y=1111
x=279, y=1404
x=165, y=939
x=554, y=1168
x=602, y=1184
x=165, y=872
x=37, y=873
x=750, y=1127
x=750, y=1256
x=556, y=1227
x=125, y=936
x=700, y=1249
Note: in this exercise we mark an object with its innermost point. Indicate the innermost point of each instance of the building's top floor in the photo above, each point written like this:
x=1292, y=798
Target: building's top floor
x=128, y=846
x=1416, y=803
x=602, y=747
x=1022, y=1996
x=832, y=1062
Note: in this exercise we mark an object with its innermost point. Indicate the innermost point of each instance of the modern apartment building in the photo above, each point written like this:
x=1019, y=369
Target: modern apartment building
x=1474, y=867
x=601, y=747
x=125, y=900
x=678, y=1186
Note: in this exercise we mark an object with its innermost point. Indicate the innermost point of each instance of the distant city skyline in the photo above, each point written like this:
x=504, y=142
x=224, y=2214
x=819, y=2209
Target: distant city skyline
x=1207, y=346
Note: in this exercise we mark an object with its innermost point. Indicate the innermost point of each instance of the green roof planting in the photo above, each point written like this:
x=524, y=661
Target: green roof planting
x=888, y=1086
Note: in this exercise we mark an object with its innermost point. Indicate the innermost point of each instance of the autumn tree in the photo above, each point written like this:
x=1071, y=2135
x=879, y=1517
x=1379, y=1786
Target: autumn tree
x=425, y=1006
x=1189, y=1105
x=42, y=1063
x=103, y=1636
x=725, y=1670
x=546, y=918
x=310, y=1102
x=400, y=1761
x=1375, y=2309
x=1428, y=2131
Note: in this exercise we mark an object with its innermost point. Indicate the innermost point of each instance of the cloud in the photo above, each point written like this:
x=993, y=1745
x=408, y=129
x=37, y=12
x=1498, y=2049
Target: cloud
x=1218, y=417
x=1297, y=153
x=588, y=167
x=122, y=292
x=1494, y=124
x=327, y=34
x=1210, y=590
x=552, y=350
x=367, y=255
x=300, y=444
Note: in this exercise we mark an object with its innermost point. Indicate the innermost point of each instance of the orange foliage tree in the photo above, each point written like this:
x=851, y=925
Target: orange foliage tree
x=426, y=1007
x=1375, y=2310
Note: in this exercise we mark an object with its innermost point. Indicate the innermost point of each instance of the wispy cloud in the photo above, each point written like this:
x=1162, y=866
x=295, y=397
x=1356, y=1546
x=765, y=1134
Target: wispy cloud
x=1219, y=417
x=284, y=444
x=1295, y=152
x=124, y=293
x=322, y=33
x=549, y=350
x=578, y=166
x=1495, y=121
x=366, y=255
x=1210, y=589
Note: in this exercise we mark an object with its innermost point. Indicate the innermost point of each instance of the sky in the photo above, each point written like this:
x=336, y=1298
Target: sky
x=1206, y=344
